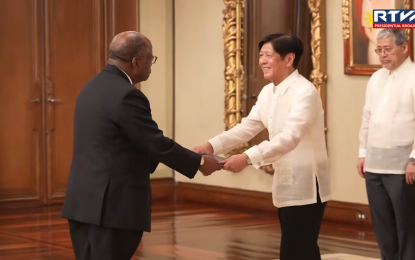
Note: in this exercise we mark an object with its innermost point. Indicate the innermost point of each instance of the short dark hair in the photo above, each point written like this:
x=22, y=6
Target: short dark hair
x=283, y=44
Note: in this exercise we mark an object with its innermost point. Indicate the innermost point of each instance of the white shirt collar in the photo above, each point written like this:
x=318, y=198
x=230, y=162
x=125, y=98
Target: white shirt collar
x=286, y=83
x=127, y=76
x=402, y=67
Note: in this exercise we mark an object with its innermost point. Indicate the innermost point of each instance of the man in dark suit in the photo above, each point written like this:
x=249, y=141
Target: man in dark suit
x=116, y=147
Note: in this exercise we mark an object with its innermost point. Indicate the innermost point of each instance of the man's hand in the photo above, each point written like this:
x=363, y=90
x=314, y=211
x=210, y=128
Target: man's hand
x=205, y=148
x=235, y=163
x=361, y=167
x=410, y=173
x=210, y=165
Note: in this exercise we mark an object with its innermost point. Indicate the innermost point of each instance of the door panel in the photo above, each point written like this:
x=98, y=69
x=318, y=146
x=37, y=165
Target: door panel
x=121, y=15
x=73, y=56
x=52, y=48
x=20, y=139
x=125, y=16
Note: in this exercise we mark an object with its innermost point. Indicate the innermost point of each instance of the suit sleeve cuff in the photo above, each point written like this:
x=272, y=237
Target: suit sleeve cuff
x=362, y=153
x=216, y=145
x=412, y=154
x=255, y=156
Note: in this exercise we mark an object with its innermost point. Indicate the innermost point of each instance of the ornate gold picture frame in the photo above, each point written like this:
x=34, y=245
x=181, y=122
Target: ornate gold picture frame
x=233, y=34
x=359, y=36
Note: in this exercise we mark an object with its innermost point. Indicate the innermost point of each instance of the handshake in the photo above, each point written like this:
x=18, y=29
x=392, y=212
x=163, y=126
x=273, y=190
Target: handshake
x=234, y=163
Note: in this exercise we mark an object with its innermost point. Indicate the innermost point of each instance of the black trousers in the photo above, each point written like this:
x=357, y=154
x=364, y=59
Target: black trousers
x=392, y=205
x=300, y=228
x=92, y=242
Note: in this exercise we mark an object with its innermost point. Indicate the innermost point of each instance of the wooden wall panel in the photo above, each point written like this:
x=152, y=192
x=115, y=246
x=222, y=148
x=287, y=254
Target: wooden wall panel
x=20, y=139
x=73, y=55
x=120, y=15
x=126, y=15
x=51, y=50
x=338, y=212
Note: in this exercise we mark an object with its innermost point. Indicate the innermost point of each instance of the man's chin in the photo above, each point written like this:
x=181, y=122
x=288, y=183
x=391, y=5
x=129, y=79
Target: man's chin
x=145, y=78
x=267, y=76
x=387, y=66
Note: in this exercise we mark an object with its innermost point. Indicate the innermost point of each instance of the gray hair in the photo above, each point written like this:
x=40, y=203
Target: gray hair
x=127, y=45
x=398, y=34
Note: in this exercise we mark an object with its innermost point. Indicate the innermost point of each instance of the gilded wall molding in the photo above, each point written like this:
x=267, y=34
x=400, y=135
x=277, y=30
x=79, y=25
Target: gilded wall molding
x=318, y=47
x=233, y=34
x=407, y=5
x=234, y=71
x=346, y=19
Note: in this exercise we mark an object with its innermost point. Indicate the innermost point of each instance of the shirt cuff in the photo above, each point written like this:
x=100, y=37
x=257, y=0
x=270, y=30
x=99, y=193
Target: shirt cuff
x=412, y=154
x=362, y=153
x=255, y=156
x=216, y=145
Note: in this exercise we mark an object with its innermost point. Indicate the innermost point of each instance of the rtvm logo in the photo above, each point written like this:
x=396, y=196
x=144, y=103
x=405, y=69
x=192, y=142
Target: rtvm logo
x=392, y=18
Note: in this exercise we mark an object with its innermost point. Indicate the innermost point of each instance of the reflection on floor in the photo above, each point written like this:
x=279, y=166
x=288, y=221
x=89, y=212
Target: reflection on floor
x=181, y=231
x=345, y=257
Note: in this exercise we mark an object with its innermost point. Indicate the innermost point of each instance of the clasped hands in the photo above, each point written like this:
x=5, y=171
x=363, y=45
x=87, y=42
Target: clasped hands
x=235, y=163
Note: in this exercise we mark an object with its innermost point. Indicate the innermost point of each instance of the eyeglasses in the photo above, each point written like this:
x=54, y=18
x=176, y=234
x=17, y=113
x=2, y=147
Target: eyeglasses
x=388, y=50
x=153, y=59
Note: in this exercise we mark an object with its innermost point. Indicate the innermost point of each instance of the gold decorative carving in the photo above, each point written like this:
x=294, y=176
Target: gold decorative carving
x=407, y=6
x=318, y=51
x=268, y=169
x=233, y=40
x=346, y=19
x=233, y=33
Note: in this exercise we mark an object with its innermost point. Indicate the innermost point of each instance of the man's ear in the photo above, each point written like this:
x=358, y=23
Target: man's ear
x=290, y=59
x=405, y=47
x=136, y=63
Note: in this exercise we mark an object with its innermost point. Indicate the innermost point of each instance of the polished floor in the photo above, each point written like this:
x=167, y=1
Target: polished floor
x=181, y=231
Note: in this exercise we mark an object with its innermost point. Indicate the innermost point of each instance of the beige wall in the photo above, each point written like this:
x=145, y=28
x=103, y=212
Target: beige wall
x=200, y=98
x=156, y=23
x=345, y=99
x=200, y=88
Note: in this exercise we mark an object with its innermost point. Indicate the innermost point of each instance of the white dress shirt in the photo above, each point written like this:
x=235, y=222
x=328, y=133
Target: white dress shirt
x=293, y=114
x=127, y=76
x=387, y=132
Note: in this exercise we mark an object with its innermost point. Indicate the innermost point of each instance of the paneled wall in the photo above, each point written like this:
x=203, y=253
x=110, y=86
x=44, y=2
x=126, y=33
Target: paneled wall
x=49, y=50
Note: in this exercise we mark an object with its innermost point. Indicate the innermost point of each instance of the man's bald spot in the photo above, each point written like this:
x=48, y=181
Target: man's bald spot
x=127, y=45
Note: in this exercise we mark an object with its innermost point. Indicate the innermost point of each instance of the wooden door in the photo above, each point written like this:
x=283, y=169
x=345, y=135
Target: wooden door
x=120, y=16
x=266, y=17
x=20, y=99
x=73, y=33
x=77, y=39
x=50, y=50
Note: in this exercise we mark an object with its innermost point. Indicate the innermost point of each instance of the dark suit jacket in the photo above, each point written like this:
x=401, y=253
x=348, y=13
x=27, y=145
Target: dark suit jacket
x=116, y=147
